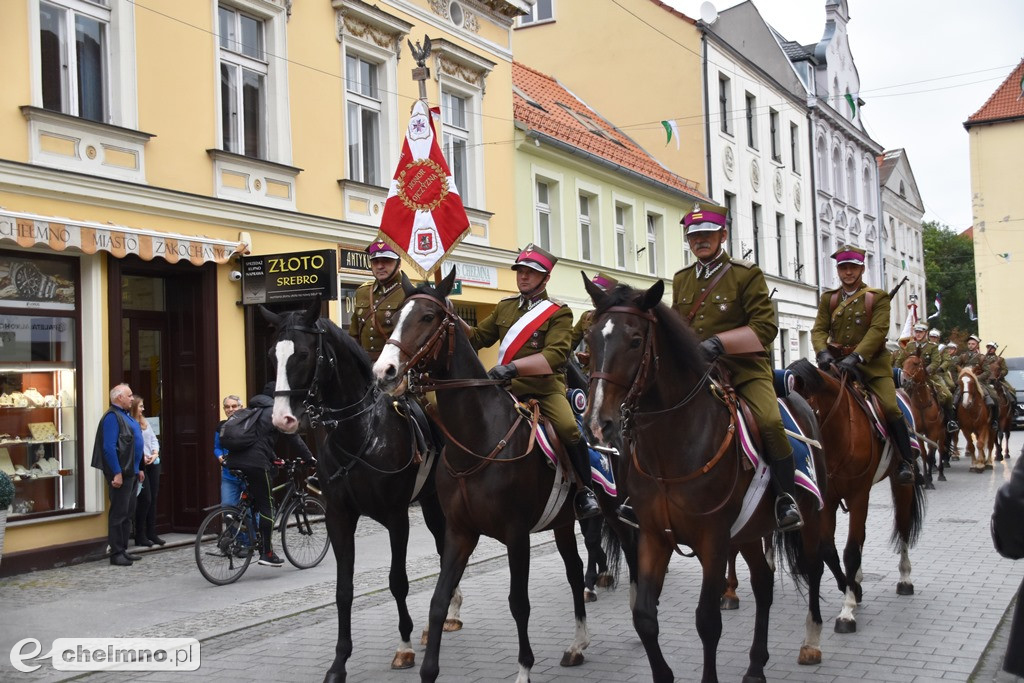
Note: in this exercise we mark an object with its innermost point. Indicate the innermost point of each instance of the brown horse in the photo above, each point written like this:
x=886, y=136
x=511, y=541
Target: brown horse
x=494, y=480
x=651, y=396
x=1004, y=422
x=856, y=458
x=928, y=415
x=975, y=421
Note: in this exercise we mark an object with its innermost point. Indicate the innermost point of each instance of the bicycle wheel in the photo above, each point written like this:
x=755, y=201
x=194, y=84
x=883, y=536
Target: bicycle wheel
x=304, y=538
x=224, y=546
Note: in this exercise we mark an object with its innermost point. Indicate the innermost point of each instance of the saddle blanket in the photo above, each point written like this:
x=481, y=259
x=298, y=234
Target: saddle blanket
x=600, y=466
x=903, y=401
x=806, y=477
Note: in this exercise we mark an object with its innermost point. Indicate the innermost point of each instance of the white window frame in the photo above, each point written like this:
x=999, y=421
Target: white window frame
x=851, y=181
x=473, y=192
x=623, y=234
x=725, y=103
x=780, y=235
x=837, y=173
x=70, y=87
x=120, y=93
x=357, y=100
x=794, y=147
x=542, y=11
x=277, y=119
x=456, y=131
x=586, y=223
x=774, y=121
x=654, y=236
x=543, y=227
x=750, y=102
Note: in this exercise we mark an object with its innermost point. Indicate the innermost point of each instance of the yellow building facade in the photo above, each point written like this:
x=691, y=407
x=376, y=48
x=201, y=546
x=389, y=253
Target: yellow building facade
x=996, y=145
x=145, y=151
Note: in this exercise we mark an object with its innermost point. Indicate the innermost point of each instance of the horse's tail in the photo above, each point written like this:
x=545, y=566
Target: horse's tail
x=789, y=547
x=612, y=545
x=916, y=522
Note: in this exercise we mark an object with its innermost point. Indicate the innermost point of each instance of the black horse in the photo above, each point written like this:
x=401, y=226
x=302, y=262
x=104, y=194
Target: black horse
x=371, y=462
x=494, y=480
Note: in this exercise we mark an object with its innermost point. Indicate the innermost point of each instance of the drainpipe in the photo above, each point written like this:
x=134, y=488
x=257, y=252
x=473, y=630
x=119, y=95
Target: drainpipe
x=814, y=202
x=707, y=112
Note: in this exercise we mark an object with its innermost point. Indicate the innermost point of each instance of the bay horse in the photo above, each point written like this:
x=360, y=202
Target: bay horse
x=856, y=458
x=1004, y=422
x=369, y=461
x=650, y=392
x=494, y=481
x=928, y=416
x=975, y=421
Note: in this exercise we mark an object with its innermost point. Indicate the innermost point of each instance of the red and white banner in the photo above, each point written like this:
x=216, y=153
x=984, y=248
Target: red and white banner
x=523, y=328
x=423, y=216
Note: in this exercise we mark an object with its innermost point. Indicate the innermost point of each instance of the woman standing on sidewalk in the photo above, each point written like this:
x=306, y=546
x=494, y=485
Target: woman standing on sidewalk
x=145, y=507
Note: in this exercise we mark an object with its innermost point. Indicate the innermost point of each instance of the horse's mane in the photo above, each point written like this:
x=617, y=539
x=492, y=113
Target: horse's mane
x=808, y=375
x=680, y=337
x=338, y=337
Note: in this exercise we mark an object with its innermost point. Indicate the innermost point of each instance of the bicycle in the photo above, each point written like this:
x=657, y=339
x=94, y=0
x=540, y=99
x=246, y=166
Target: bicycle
x=229, y=536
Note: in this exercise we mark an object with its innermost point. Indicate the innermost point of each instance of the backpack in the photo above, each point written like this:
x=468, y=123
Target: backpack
x=239, y=431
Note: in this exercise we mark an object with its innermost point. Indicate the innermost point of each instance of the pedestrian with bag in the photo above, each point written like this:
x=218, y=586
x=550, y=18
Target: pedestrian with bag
x=145, y=506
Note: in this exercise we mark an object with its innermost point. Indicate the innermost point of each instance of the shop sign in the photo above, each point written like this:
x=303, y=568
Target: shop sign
x=472, y=273
x=36, y=283
x=353, y=259
x=298, y=276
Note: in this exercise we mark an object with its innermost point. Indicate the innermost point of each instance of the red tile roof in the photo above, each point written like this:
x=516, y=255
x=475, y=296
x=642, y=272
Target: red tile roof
x=1006, y=103
x=558, y=121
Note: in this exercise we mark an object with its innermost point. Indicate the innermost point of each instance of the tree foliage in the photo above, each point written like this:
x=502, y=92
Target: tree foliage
x=949, y=271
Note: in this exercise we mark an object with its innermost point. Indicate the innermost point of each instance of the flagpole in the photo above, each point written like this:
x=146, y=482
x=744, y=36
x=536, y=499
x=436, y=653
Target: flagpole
x=421, y=74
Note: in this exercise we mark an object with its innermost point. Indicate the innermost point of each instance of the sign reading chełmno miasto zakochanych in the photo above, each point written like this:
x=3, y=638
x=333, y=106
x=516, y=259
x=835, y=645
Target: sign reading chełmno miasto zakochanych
x=273, y=278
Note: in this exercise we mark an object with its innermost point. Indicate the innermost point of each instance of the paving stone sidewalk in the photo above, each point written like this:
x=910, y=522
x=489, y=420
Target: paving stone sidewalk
x=942, y=633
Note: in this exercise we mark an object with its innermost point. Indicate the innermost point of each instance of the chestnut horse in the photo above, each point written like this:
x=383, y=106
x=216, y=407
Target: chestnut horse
x=650, y=393
x=494, y=480
x=928, y=415
x=368, y=460
x=975, y=421
x=856, y=458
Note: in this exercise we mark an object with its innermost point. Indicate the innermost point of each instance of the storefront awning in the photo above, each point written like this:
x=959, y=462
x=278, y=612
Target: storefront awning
x=29, y=230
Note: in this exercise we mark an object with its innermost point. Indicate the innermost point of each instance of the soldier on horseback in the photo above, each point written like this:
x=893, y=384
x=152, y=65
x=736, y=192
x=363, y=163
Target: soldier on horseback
x=377, y=301
x=726, y=302
x=994, y=374
x=582, y=326
x=849, y=331
x=928, y=350
x=535, y=334
x=970, y=358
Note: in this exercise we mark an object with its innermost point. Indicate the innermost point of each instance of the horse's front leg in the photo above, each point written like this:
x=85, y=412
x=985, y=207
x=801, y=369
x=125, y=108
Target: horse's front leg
x=762, y=584
x=652, y=562
x=709, y=613
x=341, y=528
x=565, y=541
x=398, y=582
x=519, y=599
x=846, y=622
x=458, y=546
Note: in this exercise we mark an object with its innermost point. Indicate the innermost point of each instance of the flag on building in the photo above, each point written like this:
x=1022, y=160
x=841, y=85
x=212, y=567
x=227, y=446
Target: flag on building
x=853, y=105
x=969, y=310
x=938, y=306
x=671, y=131
x=424, y=218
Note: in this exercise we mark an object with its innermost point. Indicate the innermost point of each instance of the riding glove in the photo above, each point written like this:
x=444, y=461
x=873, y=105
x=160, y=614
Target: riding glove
x=850, y=363
x=825, y=359
x=503, y=372
x=712, y=348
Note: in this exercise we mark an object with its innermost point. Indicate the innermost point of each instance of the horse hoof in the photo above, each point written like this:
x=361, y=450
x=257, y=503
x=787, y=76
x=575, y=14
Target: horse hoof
x=571, y=658
x=904, y=588
x=955, y=458
x=423, y=638
x=809, y=655
x=846, y=626
x=589, y=595
x=404, y=659
x=753, y=679
x=730, y=603
x=928, y=486
x=988, y=467
x=335, y=677
x=604, y=580
x=942, y=477
x=452, y=625
x=999, y=458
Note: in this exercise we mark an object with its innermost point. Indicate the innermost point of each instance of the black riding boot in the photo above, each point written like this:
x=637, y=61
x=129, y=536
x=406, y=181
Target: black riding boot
x=783, y=476
x=585, y=501
x=901, y=437
x=952, y=426
x=993, y=412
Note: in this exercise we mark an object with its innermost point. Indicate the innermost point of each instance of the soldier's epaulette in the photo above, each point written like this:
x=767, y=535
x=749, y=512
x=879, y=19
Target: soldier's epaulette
x=561, y=304
x=743, y=263
x=509, y=298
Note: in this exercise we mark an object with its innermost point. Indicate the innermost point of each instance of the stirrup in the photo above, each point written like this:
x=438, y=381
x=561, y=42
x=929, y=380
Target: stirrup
x=952, y=426
x=787, y=514
x=626, y=515
x=904, y=473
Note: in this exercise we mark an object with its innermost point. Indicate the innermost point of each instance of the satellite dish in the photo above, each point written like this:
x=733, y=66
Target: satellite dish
x=708, y=13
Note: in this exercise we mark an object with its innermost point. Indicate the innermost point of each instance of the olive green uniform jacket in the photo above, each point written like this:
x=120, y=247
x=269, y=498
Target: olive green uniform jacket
x=933, y=363
x=994, y=374
x=740, y=299
x=376, y=313
x=580, y=329
x=849, y=327
x=553, y=340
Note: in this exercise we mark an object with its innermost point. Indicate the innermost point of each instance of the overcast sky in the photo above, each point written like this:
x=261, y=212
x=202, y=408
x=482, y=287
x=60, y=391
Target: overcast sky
x=925, y=66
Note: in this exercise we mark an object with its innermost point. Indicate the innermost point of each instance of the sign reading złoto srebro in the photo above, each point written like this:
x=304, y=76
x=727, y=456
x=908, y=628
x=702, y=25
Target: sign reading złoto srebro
x=298, y=276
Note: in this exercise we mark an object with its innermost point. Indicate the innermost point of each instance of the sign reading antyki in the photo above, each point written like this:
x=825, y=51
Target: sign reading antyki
x=276, y=278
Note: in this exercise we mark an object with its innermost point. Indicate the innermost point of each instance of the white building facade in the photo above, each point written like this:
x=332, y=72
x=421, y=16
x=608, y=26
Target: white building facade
x=902, y=244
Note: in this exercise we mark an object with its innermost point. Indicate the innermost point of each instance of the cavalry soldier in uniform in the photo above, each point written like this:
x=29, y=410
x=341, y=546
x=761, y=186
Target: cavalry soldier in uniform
x=849, y=331
x=378, y=301
x=994, y=373
x=949, y=366
x=535, y=334
x=726, y=301
x=930, y=355
x=970, y=358
x=582, y=326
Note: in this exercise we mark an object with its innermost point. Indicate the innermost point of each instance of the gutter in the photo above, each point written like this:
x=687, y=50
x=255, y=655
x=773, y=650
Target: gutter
x=707, y=113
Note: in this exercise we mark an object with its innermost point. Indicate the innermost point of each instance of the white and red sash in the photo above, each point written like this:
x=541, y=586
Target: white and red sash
x=523, y=328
